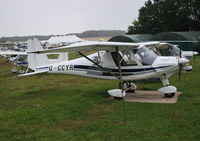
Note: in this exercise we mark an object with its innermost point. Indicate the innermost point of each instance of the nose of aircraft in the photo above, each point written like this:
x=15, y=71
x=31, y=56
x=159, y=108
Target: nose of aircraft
x=183, y=61
x=195, y=53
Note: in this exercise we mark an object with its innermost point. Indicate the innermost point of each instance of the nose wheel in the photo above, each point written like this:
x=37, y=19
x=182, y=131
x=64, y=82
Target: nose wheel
x=168, y=90
x=169, y=95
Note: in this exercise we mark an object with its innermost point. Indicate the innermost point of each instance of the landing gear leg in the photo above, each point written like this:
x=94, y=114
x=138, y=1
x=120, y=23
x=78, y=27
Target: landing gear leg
x=22, y=70
x=14, y=69
x=129, y=87
x=167, y=90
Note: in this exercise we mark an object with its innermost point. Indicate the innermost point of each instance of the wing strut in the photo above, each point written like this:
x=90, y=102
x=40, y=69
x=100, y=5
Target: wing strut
x=121, y=82
x=118, y=77
x=98, y=65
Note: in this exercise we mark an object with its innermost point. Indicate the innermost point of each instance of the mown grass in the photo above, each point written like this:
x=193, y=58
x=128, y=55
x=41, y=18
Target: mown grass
x=62, y=107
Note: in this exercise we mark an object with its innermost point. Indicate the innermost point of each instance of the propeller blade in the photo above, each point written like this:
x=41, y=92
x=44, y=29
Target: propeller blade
x=194, y=57
x=181, y=63
x=179, y=73
x=180, y=53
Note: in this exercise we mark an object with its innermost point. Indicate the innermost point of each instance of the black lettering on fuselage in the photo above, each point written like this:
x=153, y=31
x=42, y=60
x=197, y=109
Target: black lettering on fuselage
x=71, y=67
x=59, y=68
x=65, y=67
x=50, y=68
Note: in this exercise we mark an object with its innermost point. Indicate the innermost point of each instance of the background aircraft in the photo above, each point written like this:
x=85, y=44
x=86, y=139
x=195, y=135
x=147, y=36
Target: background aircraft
x=19, y=59
x=166, y=49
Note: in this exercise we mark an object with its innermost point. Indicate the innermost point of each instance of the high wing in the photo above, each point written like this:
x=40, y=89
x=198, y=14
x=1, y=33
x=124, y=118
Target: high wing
x=164, y=46
x=86, y=46
x=19, y=53
x=12, y=53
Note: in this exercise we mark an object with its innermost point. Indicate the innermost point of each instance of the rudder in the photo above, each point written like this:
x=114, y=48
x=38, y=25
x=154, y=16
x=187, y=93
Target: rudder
x=34, y=59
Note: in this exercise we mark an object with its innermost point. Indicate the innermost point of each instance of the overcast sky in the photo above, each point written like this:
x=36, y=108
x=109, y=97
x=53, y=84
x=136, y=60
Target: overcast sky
x=44, y=17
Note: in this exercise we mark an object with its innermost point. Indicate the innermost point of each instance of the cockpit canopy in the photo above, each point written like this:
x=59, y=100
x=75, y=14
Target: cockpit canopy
x=173, y=51
x=128, y=57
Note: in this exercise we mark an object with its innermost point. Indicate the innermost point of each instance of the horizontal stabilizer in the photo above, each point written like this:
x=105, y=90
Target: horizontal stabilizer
x=13, y=53
x=33, y=73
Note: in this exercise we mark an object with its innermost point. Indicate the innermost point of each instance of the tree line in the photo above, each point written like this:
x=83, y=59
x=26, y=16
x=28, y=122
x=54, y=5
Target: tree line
x=90, y=33
x=166, y=16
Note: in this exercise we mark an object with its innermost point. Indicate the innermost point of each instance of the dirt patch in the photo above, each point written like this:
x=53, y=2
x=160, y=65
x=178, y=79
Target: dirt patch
x=150, y=97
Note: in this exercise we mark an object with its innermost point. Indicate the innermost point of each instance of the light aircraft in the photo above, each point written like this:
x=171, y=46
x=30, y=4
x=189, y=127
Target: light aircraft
x=57, y=41
x=19, y=59
x=113, y=60
x=167, y=49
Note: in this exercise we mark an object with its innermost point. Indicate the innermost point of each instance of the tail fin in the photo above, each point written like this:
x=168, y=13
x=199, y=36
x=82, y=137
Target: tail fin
x=35, y=60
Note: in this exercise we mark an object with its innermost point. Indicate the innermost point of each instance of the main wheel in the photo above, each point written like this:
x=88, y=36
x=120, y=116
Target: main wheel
x=129, y=87
x=130, y=91
x=118, y=98
x=168, y=95
x=14, y=70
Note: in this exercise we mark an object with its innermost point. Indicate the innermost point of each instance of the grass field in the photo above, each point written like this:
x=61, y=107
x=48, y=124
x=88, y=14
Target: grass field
x=70, y=108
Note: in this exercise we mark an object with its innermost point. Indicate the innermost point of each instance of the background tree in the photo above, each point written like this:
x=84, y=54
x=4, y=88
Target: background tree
x=167, y=15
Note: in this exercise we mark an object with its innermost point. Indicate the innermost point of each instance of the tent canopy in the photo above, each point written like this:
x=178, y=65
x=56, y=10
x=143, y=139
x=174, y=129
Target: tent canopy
x=131, y=38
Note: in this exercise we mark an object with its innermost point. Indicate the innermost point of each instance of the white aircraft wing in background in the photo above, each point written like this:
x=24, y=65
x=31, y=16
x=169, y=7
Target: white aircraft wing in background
x=164, y=46
x=96, y=46
x=12, y=53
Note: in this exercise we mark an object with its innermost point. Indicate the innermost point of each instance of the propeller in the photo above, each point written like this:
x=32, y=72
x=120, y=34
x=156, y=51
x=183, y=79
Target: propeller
x=194, y=56
x=179, y=73
x=179, y=65
x=181, y=61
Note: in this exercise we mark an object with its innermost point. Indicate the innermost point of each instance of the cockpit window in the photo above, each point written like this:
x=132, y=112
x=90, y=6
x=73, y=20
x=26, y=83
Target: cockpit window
x=165, y=52
x=175, y=51
x=128, y=57
x=20, y=58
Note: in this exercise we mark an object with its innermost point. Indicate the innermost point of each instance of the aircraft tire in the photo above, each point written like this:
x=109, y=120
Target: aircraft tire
x=130, y=91
x=169, y=95
x=118, y=98
x=188, y=70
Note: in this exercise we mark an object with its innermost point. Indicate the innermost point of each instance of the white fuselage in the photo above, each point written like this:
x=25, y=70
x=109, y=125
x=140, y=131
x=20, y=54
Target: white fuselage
x=83, y=67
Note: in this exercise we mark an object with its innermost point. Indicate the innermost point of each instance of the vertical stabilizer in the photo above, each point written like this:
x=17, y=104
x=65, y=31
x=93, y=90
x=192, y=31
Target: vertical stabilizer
x=34, y=59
